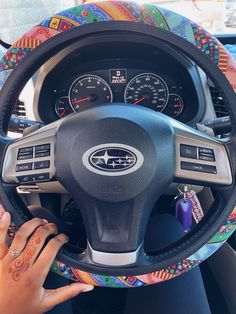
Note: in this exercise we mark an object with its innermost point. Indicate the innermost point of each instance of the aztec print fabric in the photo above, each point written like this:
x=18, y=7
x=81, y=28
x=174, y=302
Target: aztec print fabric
x=18, y=16
x=157, y=17
x=2, y=51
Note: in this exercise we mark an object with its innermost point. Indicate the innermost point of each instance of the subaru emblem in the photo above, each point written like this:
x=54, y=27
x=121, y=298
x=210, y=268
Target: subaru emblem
x=113, y=159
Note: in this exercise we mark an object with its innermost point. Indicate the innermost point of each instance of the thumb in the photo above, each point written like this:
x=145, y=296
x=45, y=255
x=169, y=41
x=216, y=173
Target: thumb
x=56, y=296
x=5, y=220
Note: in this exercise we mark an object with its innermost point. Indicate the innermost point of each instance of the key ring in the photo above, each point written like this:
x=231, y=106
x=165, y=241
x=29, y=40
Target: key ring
x=185, y=190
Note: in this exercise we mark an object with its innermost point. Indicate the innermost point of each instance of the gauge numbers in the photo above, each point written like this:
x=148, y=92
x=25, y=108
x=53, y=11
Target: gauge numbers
x=89, y=89
x=148, y=90
x=63, y=107
x=145, y=89
x=175, y=106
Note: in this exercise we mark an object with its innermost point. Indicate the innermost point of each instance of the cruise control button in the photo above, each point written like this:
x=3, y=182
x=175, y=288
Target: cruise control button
x=208, y=151
x=42, y=177
x=206, y=157
x=188, y=151
x=24, y=167
x=206, y=154
x=25, y=179
x=42, y=164
x=198, y=167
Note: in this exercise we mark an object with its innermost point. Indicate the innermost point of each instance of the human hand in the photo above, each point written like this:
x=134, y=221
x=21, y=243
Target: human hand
x=22, y=276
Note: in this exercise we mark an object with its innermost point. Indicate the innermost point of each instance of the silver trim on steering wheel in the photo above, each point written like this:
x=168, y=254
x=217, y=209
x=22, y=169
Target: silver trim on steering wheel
x=31, y=159
x=113, y=259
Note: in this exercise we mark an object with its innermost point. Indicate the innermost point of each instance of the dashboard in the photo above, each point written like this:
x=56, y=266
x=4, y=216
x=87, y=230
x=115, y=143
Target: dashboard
x=144, y=88
x=142, y=75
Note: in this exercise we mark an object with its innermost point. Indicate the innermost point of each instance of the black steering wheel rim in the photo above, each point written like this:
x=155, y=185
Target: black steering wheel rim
x=26, y=69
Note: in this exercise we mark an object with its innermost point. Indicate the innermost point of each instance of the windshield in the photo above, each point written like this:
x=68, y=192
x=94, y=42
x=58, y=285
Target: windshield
x=217, y=16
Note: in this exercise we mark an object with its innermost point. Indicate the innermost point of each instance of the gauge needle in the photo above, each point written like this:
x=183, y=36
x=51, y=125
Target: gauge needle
x=81, y=100
x=138, y=101
x=63, y=112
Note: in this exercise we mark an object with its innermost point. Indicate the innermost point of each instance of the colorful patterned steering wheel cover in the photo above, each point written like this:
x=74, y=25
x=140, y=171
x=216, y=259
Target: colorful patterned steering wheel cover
x=160, y=18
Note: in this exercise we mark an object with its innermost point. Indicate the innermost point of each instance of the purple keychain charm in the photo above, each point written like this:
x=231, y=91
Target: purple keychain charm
x=184, y=211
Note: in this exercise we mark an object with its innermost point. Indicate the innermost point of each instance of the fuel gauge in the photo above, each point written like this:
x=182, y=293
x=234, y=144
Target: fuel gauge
x=175, y=106
x=63, y=107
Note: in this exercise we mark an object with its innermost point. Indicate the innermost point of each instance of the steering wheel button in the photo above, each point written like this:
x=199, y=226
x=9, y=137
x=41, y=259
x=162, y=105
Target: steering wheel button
x=45, y=153
x=198, y=167
x=188, y=151
x=42, y=177
x=207, y=151
x=24, y=167
x=206, y=157
x=43, y=147
x=25, y=150
x=25, y=156
x=26, y=179
x=42, y=164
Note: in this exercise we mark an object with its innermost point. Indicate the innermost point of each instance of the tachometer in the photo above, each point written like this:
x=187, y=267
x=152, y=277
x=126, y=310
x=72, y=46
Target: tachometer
x=148, y=90
x=89, y=89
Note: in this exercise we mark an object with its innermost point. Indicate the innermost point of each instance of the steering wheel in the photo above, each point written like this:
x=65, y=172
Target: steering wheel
x=116, y=198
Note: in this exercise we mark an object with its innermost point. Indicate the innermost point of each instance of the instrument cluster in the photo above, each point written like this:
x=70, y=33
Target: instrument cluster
x=142, y=88
x=78, y=81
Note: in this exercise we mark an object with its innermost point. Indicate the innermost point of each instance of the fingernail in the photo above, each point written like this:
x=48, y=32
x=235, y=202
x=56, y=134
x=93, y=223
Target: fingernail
x=88, y=288
x=2, y=211
x=67, y=238
x=45, y=220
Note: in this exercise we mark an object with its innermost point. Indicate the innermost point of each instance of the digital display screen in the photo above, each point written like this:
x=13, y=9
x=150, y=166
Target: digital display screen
x=118, y=76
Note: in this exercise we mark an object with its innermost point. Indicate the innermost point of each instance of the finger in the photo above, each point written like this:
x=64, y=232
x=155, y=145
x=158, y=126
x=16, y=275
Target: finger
x=57, y=296
x=37, y=241
x=48, y=254
x=2, y=211
x=5, y=220
x=24, y=233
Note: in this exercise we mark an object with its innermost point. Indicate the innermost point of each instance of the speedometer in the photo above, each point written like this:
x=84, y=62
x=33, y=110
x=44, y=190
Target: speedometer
x=89, y=89
x=148, y=90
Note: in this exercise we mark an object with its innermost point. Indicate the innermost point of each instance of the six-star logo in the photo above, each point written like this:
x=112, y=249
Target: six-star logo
x=113, y=159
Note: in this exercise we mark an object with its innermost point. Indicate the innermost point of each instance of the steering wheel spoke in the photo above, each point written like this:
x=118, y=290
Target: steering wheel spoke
x=30, y=159
x=115, y=231
x=200, y=159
